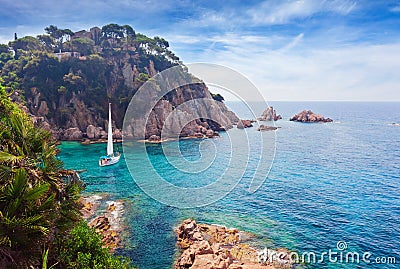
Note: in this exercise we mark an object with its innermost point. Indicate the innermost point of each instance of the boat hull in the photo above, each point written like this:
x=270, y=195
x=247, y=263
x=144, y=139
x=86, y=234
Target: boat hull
x=109, y=161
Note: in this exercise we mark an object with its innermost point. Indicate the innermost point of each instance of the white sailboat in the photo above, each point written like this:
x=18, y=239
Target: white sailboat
x=111, y=158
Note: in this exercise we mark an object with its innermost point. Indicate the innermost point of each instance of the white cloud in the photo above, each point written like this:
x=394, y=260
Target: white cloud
x=352, y=72
x=320, y=62
x=294, y=43
x=281, y=12
x=395, y=9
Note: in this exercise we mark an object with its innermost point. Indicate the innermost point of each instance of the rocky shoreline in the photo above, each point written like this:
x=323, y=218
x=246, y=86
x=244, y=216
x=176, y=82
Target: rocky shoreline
x=197, y=129
x=109, y=224
x=216, y=247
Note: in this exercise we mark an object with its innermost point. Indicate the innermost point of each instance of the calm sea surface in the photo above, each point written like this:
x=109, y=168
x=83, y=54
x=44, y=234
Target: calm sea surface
x=328, y=183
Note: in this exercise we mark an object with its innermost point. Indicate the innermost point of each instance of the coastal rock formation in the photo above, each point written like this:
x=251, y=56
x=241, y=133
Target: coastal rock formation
x=72, y=92
x=72, y=134
x=185, y=112
x=108, y=225
x=244, y=124
x=267, y=128
x=154, y=139
x=309, y=116
x=93, y=132
x=211, y=134
x=212, y=246
x=89, y=205
x=269, y=115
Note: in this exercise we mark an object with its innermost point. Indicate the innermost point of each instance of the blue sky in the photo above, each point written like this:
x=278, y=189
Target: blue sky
x=291, y=50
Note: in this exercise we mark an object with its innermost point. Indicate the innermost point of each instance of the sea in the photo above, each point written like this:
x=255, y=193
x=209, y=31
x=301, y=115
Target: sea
x=327, y=191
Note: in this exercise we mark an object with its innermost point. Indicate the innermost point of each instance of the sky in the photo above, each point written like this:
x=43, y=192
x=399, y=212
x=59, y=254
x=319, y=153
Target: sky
x=292, y=50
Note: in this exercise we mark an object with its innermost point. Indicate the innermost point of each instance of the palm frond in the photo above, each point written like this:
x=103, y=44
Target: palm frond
x=36, y=192
x=9, y=158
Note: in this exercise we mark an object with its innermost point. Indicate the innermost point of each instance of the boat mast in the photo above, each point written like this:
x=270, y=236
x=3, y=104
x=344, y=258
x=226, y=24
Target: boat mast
x=110, y=150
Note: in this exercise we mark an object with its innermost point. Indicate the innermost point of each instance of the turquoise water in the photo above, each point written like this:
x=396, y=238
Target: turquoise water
x=328, y=183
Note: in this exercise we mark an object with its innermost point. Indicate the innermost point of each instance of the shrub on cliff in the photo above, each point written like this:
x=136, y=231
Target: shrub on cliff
x=116, y=63
x=83, y=249
x=38, y=198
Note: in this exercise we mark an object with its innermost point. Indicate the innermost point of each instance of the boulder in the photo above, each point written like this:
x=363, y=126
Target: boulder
x=269, y=115
x=102, y=134
x=154, y=138
x=211, y=134
x=198, y=135
x=72, y=134
x=267, y=128
x=309, y=116
x=91, y=131
x=212, y=246
x=117, y=134
x=244, y=124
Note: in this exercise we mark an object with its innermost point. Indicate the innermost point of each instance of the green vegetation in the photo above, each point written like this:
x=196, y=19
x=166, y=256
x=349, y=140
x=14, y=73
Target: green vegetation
x=40, y=222
x=39, y=72
x=217, y=97
x=88, y=251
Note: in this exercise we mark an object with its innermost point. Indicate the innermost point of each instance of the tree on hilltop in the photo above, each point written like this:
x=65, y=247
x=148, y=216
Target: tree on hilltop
x=112, y=31
x=59, y=35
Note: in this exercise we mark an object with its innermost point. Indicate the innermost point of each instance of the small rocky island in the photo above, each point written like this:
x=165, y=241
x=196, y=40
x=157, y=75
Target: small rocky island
x=212, y=246
x=267, y=128
x=245, y=124
x=309, y=116
x=269, y=115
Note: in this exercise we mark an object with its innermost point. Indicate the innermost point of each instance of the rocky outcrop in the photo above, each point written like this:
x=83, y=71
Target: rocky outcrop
x=185, y=112
x=71, y=134
x=128, y=74
x=244, y=124
x=76, y=93
x=43, y=109
x=309, y=116
x=212, y=246
x=267, y=128
x=269, y=115
x=154, y=139
x=211, y=134
x=84, y=122
x=109, y=224
x=93, y=132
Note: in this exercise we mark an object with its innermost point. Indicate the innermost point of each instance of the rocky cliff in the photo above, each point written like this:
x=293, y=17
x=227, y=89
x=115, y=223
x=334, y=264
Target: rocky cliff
x=69, y=92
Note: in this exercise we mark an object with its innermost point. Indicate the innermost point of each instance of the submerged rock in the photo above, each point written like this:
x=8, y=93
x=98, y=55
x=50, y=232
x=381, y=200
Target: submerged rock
x=309, y=116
